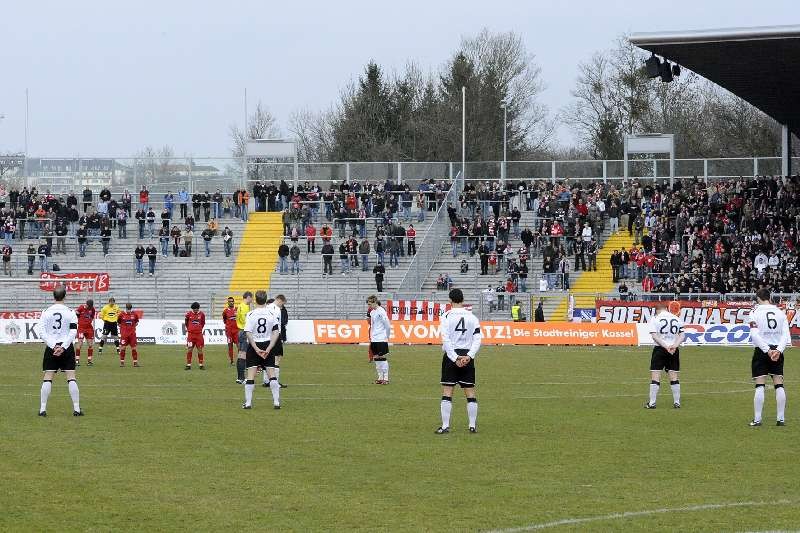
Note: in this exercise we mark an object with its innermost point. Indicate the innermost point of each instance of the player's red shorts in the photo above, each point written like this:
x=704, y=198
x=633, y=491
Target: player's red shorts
x=232, y=335
x=127, y=339
x=195, y=339
x=86, y=334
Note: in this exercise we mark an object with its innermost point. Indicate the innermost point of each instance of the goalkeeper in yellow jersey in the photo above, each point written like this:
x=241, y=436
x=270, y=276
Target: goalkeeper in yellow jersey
x=109, y=314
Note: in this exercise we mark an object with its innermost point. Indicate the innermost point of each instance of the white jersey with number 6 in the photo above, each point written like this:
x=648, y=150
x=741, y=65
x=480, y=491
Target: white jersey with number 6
x=460, y=330
x=260, y=322
x=667, y=326
x=769, y=327
x=58, y=325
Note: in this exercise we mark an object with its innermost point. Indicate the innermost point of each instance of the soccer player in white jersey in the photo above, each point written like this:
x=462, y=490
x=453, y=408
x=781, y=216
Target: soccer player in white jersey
x=263, y=330
x=667, y=332
x=461, y=340
x=769, y=332
x=274, y=360
x=57, y=329
x=379, y=329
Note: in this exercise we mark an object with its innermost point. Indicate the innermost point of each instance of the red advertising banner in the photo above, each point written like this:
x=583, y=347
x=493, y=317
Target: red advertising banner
x=19, y=314
x=100, y=281
x=703, y=313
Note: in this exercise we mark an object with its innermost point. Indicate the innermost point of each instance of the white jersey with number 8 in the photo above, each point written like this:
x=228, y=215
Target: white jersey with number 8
x=260, y=322
x=769, y=327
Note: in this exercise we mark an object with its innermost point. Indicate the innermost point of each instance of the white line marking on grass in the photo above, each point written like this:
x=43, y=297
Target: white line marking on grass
x=634, y=514
x=705, y=393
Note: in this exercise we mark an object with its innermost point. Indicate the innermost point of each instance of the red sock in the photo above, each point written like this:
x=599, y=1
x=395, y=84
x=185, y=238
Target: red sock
x=200, y=358
x=230, y=353
x=134, y=355
x=122, y=354
x=78, y=353
x=91, y=351
x=189, y=357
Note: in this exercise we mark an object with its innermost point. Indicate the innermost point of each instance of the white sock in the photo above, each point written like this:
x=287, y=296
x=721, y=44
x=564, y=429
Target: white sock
x=46, y=387
x=265, y=375
x=249, y=387
x=758, y=402
x=446, y=407
x=73, y=392
x=472, y=412
x=378, y=368
x=676, y=391
x=654, y=385
x=276, y=391
x=780, y=399
x=385, y=369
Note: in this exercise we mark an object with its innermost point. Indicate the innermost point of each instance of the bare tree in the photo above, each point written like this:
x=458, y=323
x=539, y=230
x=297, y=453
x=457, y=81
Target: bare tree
x=313, y=133
x=260, y=125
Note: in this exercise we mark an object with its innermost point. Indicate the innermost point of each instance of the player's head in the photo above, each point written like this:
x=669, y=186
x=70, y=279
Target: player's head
x=456, y=296
x=111, y=301
x=372, y=301
x=231, y=301
x=89, y=303
x=195, y=306
x=248, y=297
x=261, y=297
x=280, y=300
x=59, y=293
x=661, y=305
x=270, y=301
x=674, y=307
x=763, y=296
x=128, y=306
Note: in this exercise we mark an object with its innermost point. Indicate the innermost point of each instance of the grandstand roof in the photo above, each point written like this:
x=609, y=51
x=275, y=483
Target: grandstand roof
x=759, y=65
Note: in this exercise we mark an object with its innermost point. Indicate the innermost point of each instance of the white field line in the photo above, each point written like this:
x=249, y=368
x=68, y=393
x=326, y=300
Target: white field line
x=634, y=514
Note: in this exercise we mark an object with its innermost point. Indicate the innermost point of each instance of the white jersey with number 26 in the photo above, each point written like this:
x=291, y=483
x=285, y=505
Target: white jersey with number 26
x=769, y=327
x=667, y=326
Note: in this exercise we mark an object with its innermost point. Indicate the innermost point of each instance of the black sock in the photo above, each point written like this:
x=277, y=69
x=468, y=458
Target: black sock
x=240, y=364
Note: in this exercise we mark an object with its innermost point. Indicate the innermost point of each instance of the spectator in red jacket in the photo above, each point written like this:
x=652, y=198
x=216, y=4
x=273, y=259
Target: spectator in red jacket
x=311, y=237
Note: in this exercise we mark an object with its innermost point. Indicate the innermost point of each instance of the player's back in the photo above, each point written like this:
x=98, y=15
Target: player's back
x=460, y=325
x=771, y=323
x=260, y=323
x=55, y=322
x=666, y=325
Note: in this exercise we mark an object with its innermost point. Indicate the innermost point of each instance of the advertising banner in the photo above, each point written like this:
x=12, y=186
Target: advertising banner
x=416, y=310
x=100, y=281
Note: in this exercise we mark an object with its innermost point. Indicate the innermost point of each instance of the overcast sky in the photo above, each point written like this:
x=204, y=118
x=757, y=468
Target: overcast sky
x=106, y=78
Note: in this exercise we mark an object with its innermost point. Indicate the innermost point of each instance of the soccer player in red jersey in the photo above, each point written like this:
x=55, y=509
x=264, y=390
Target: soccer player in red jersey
x=127, y=332
x=86, y=313
x=195, y=320
x=231, y=329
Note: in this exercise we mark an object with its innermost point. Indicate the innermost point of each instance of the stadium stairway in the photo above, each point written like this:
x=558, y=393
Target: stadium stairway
x=589, y=283
x=256, y=256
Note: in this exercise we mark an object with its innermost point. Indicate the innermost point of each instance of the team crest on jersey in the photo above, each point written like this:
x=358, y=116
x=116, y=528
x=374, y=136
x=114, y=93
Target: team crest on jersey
x=168, y=328
x=13, y=331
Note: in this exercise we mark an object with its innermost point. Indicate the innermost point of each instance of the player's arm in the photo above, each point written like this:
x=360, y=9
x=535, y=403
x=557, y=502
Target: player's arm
x=45, y=332
x=202, y=320
x=477, y=338
x=447, y=346
x=273, y=339
x=680, y=338
x=657, y=338
x=786, y=338
x=73, y=330
x=186, y=321
x=756, y=338
x=248, y=329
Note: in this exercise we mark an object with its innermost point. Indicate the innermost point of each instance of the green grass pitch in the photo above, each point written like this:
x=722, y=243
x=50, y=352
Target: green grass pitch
x=563, y=445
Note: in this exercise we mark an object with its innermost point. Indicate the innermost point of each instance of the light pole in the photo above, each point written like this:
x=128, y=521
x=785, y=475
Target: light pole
x=504, y=105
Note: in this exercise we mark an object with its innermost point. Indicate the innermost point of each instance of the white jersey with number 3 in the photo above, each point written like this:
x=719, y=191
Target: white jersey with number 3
x=667, y=326
x=58, y=325
x=769, y=327
x=460, y=330
x=260, y=322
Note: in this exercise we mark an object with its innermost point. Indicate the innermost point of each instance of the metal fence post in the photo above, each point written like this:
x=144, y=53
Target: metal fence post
x=605, y=171
x=553, y=171
x=755, y=167
x=705, y=170
x=399, y=173
x=347, y=172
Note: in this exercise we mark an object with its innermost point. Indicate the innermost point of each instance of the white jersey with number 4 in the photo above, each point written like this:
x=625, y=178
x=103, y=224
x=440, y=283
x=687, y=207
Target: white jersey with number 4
x=260, y=322
x=58, y=325
x=667, y=326
x=460, y=330
x=769, y=327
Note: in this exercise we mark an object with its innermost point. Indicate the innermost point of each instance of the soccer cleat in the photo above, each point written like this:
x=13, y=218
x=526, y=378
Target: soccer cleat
x=245, y=406
x=648, y=405
x=676, y=405
x=77, y=363
x=77, y=413
x=755, y=423
x=385, y=382
x=89, y=363
x=136, y=364
x=42, y=413
x=239, y=381
x=188, y=367
x=378, y=382
x=122, y=363
x=282, y=385
x=265, y=384
x=473, y=429
x=202, y=367
x=442, y=431
x=231, y=363
x=276, y=406
x=780, y=423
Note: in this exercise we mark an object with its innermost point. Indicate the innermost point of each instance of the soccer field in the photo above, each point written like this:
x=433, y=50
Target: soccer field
x=563, y=444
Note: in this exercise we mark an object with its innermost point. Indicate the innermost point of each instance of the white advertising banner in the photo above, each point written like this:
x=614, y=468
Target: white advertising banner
x=705, y=335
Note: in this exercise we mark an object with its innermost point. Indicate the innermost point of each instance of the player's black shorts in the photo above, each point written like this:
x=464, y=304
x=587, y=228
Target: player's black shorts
x=253, y=359
x=663, y=360
x=110, y=328
x=379, y=349
x=65, y=361
x=762, y=365
x=454, y=375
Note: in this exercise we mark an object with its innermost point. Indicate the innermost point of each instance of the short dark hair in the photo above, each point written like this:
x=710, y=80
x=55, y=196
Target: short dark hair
x=195, y=306
x=281, y=297
x=456, y=296
x=90, y=302
x=270, y=301
x=763, y=294
x=261, y=297
x=59, y=293
x=247, y=294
